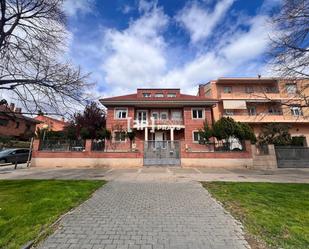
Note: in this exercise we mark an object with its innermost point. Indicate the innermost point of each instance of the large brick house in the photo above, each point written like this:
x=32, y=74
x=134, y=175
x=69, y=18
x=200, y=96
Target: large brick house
x=14, y=124
x=160, y=119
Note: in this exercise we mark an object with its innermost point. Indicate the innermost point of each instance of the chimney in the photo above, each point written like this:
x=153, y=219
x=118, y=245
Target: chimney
x=12, y=107
x=18, y=110
x=201, y=90
x=62, y=119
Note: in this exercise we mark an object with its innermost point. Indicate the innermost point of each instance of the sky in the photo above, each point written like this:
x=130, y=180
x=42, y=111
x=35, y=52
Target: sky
x=129, y=44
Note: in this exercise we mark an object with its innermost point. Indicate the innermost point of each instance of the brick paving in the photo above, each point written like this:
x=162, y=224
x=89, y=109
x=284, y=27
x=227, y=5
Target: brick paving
x=152, y=215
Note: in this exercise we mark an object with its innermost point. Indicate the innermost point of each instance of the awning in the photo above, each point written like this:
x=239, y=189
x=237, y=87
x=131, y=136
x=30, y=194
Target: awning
x=234, y=104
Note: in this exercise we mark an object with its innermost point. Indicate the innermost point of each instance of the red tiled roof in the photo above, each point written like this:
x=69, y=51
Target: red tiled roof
x=137, y=99
x=132, y=97
x=5, y=111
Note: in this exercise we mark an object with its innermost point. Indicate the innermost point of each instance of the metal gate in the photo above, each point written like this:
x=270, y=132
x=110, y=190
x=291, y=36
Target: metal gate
x=161, y=153
x=292, y=157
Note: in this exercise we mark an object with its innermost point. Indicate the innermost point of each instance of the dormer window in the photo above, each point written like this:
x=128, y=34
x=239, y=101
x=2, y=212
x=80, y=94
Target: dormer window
x=159, y=95
x=146, y=95
x=171, y=95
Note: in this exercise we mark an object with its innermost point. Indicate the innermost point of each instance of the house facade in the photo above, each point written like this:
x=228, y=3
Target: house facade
x=14, y=124
x=257, y=101
x=160, y=119
x=50, y=123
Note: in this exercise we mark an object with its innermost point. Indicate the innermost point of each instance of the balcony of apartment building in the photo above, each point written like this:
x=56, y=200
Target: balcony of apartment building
x=262, y=112
x=250, y=91
x=159, y=119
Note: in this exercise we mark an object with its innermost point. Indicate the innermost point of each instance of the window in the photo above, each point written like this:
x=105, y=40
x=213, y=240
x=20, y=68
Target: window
x=4, y=122
x=251, y=110
x=197, y=113
x=121, y=113
x=146, y=95
x=155, y=115
x=171, y=95
x=176, y=115
x=249, y=89
x=228, y=112
x=163, y=115
x=291, y=88
x=120, y=136
x=274, y=110
x=271, y=89
x=227, y=89
x=142, y=115
x=196, y=136
x=159, y=95
x=296, y=111
x=17, y=125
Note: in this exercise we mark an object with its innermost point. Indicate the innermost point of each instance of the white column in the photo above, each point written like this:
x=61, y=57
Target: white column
x=172, y=134
x=146, y=133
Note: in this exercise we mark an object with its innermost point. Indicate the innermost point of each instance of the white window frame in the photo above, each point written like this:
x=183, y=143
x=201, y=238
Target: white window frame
x=159, y=95
x=227, y=87
x=196, y=109
x=164, y=112
x=147, y=95
x=138, y=111
x=199, y=136
x=119, y=141
x=171, y=95
x=158, y=115
x=296, y=111
x=176, y=111
x=121, y=109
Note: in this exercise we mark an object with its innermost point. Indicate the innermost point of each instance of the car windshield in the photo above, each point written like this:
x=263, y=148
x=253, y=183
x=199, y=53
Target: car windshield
x=6, y=151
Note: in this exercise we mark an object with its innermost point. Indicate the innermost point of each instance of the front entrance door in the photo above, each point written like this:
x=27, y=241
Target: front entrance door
x=159, y=139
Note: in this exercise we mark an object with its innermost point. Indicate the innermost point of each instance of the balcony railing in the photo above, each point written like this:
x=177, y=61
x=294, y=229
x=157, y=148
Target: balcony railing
x=158, y=122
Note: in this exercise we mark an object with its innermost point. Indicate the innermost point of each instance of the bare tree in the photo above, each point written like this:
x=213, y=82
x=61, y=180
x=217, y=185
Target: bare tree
x=290, y=43
x=33, y=38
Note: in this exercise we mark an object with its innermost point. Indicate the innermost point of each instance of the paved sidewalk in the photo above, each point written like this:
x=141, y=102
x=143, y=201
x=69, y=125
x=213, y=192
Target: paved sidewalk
x=153, y=173
x=151, y=214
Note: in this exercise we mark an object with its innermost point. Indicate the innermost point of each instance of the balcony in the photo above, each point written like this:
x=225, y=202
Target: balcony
x=158, y=123
x=262, y=96
x=267, y=117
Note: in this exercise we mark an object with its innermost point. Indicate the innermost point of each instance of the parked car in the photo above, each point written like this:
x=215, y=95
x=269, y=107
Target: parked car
x=14, y=155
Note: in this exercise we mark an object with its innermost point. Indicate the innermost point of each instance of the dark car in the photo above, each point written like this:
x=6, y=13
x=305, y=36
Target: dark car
x=14, y=155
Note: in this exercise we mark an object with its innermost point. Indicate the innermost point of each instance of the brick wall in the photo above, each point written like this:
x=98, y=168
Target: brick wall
x=16, y=128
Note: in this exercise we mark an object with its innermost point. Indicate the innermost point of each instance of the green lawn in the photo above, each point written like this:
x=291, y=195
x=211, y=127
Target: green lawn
x=28, y=206
x=276, y=213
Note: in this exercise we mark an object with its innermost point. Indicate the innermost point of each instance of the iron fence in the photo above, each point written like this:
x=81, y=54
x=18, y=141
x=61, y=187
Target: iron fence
x=62, y=145
x=219, y=146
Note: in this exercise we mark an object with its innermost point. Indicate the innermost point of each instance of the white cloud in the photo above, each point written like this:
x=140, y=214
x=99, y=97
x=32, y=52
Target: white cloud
x=200, y=22
x=147, y=5
x=73, y=7
x=137, y=53
x=238, y=57
x=248, y=45
x=140, y=56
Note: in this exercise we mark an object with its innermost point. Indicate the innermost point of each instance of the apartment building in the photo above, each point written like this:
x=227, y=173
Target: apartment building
x=261, y=100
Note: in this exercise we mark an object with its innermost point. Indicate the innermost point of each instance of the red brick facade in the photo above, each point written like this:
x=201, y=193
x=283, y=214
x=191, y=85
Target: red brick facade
x=14, y=124
x=52, y=124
